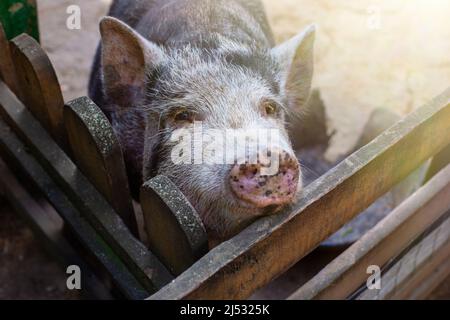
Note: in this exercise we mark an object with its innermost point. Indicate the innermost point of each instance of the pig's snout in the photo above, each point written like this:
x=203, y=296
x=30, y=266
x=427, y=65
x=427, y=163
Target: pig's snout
x=260, y=190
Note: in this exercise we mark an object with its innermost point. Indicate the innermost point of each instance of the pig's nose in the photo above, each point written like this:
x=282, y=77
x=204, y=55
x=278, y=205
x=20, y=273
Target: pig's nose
x=250, y=185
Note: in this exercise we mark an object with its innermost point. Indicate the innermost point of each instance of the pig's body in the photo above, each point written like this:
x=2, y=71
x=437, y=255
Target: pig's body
x=214, y=58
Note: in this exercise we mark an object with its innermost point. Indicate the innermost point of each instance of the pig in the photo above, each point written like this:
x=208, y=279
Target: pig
x=165, y=65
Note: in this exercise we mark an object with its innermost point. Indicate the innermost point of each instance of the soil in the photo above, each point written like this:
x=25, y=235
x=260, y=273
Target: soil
x=396, y=54
x=26, y=271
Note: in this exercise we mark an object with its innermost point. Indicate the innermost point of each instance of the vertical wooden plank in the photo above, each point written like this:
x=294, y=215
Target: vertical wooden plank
x=97, y=153
x=175, y=231
x=7, y=72
x=19, y=16
x=39, y=87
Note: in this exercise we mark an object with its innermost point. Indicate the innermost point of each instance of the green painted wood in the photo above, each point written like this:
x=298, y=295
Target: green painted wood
x=19, y=16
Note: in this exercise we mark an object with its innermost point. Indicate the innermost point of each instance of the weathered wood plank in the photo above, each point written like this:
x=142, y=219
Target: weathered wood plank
x=272, y=244
x=7, y=72
x=14, y=150
x=85, y=197
x=438, y=162
x=39, y=87
x=402, y=281
x=175, y=231
x=427, y=278
x=97, y=153
x=387, y=239
x=48, y=226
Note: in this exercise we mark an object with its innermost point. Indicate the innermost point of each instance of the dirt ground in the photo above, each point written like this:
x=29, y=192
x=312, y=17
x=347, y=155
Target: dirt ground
x=26, y=271
x=393, y=54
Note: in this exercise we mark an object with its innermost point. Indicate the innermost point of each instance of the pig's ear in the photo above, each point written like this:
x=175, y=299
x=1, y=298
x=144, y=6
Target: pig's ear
x=126, y=58
x=296, y=57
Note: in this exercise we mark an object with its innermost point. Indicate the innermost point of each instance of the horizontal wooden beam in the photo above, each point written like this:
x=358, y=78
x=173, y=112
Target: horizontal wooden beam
x=272, y=244
x=418, y=271
x=387, y=239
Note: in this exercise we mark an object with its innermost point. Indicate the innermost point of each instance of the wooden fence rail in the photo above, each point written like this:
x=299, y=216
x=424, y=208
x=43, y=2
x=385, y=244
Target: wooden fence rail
x=420, y=270
x=387, y=239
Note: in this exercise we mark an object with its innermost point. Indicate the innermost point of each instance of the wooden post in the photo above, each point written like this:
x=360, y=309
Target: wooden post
x=97, y=153
x=7, y=71
x=39, y=87
x=175, y=231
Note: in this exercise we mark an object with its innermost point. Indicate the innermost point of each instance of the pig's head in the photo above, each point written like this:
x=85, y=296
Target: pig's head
x=211, y=100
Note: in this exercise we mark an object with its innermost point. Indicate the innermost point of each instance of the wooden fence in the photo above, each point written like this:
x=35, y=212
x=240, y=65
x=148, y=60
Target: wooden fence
x=67, y=157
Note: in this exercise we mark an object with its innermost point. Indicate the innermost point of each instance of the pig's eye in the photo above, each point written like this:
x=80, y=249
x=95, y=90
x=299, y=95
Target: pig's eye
x=183, y=116
x=270, y=108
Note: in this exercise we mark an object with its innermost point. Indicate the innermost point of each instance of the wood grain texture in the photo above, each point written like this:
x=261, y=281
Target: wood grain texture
x=418, y=271
x=96, y=151
x=438, y=162
x=94, y=208
x=175, y=231
x=39, y=87
x=386, y=240
x=7, y=72
x=426, y=278
x=272, y=244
